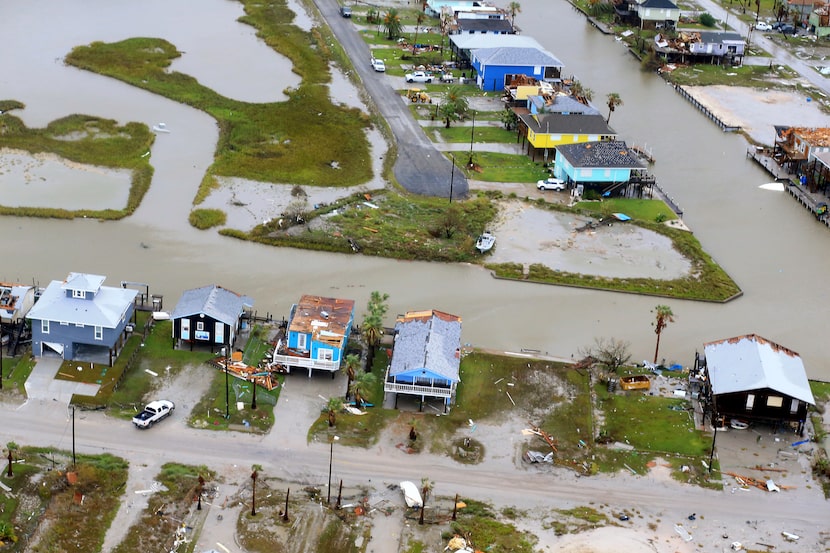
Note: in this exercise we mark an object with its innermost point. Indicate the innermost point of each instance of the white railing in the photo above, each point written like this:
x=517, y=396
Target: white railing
x=417, y=390
x=307, y=363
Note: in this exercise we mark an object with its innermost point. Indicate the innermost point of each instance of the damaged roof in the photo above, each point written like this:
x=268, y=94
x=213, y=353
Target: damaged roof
x=750, y=362
x=428, y=340
x=607, y=153
x=328, y=320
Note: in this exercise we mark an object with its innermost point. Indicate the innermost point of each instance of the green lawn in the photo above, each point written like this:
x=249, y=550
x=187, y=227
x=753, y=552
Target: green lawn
x=641, y=210
x=480, y=133
x=495, y=167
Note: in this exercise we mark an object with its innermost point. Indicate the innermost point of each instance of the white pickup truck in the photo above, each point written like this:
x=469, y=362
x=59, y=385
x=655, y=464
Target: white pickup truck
x=419, y=77
x=153, y=412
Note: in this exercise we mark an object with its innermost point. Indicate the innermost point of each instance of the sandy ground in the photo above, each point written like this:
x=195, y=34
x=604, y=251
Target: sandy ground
x=757, y=110
x=527, y=234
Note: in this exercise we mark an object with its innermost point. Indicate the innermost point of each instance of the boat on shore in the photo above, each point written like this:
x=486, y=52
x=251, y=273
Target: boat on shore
x=486, y=241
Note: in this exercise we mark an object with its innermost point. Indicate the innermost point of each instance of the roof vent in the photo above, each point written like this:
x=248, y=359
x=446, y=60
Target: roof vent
x=325, y=314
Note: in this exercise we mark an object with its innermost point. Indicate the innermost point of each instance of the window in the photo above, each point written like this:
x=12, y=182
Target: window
x=99, y=333
x=750, y=401
x=78, y=294
x=775, y=401
x=44, y=326
x=794, y=405
x=325, y=354
x=200, y=325
x=64, y=323
x=79, y=325
x=302, y=342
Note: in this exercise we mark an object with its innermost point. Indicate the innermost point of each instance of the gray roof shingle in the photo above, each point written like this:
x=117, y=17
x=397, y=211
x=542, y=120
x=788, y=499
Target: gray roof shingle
x=573, y=123
x=214, y=301
x=612, y=154
x=427, y=340
x=507, y=55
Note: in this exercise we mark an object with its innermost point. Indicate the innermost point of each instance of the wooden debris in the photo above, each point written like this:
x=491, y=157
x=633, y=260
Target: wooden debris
x=242, y=371
x=750, y=481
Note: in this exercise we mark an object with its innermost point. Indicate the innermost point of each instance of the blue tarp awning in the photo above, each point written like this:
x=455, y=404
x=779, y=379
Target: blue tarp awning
x=622, y=217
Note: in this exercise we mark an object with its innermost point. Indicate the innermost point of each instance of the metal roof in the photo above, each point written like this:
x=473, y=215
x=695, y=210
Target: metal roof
x=607, y=153
x=214, y=301
x=513, y=56
x=83, y=281
x=484, y=25
x=750, y=362
x=427, y=340
x=468, y=42
x=105, y=309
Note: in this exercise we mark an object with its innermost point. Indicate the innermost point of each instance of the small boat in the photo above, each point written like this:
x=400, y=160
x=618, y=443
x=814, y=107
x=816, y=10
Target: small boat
x=161, y=127
x=411, y=494
x=485, y=242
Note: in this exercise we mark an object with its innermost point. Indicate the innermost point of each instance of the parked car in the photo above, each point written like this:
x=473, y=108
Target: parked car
x=551, y=183
x=378, y=65
x=345, y=11
x=776, y=25
x=419, y=77
x=763, y=26
x=153, y=413
x=787, y=29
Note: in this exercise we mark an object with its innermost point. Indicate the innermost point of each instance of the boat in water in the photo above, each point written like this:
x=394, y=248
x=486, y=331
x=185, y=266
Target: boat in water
x=486, y=241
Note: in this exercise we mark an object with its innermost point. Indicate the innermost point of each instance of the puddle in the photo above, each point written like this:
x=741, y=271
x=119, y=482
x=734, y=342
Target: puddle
x=45, y=180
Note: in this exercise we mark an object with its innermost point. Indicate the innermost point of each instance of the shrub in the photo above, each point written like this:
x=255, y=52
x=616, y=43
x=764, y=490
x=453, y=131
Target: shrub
x=707, y=20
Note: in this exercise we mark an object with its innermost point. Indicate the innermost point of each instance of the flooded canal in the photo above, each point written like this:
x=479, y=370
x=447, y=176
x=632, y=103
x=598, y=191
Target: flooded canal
x=762, y=238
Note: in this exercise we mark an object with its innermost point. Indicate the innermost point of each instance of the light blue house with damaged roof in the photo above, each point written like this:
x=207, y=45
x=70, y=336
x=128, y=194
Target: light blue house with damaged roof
x=426, y=356
x=80, y=319
x=495, y=67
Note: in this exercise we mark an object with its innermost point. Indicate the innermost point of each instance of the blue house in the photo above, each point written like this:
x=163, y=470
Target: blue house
x=606, y=165
x=210, y=315
x=79, y=319
x=426, y=356
x=317, y=334
x=493, y=65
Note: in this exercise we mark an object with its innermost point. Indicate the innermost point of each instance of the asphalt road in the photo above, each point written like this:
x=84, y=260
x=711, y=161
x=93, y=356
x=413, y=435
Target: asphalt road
x=420, y=168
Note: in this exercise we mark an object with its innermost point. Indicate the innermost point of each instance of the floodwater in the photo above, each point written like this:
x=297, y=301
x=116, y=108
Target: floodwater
x=771, y=247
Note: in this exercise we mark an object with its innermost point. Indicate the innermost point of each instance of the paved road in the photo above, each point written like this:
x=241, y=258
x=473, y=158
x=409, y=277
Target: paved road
x=284, y=453
x=781, y=55
x=420, y=168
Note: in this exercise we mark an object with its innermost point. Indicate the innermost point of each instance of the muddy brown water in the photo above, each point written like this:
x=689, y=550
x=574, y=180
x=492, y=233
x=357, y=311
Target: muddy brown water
x=772, y=248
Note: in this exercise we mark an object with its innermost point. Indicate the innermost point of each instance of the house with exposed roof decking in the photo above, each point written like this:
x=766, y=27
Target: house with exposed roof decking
x=209, y=316
x=15, y=301
x=80, y=319
x=471, y=26
x=750, y=378
x=598, y=164
x=426, y=356
x=494, y=65
x=317, y=334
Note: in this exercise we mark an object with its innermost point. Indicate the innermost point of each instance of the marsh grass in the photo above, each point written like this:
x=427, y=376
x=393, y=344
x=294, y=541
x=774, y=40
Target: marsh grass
x=305, y=140
x=204, y=219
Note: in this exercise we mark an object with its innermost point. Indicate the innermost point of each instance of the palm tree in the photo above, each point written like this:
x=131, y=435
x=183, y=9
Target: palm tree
x=350, y=366
x=581, y=93
x=392, y=24
x=454, y=106
x=377, y=303
x=514, y=8
x=426, y=488
x=418, y=20
x=361, y=387
x=372, y=331
x=254, y=476
x=614, y=100
x=334, y=405
x=663, y=317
